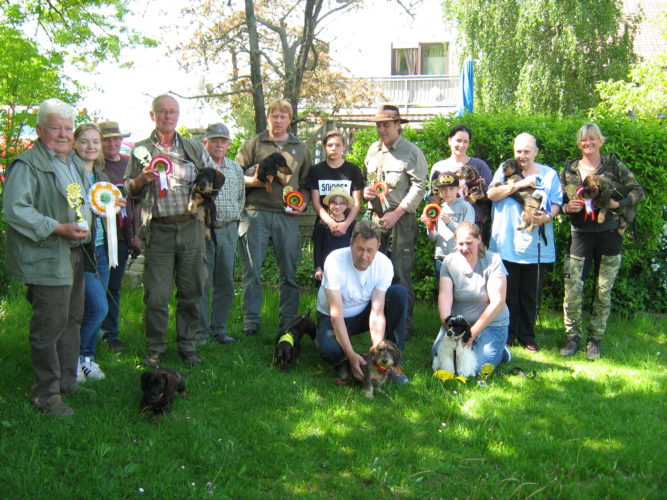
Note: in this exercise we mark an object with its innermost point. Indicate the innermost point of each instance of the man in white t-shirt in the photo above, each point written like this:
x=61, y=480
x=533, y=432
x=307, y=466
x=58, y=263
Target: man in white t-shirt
x=357, y=296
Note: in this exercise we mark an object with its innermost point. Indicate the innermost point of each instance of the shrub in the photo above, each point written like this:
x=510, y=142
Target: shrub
x=640, y=144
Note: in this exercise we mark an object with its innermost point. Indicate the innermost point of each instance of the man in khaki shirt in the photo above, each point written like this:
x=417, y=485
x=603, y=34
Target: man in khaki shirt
x=402, y=166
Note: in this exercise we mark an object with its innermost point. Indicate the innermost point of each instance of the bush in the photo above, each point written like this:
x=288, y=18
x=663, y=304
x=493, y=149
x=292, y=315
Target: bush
x=640, y=144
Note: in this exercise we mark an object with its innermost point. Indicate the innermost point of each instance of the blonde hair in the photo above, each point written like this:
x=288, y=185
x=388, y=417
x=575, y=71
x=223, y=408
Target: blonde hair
x=473, y=230
x=590, y=130
x=99, y=161
x=282, y=105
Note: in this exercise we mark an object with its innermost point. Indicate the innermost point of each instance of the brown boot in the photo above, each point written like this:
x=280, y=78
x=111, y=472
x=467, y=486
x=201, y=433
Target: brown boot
x=572, y=346
x=593, y=349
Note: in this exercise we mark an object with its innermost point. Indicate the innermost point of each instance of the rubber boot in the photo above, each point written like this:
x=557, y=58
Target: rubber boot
x=572, y=345
x=593, y=349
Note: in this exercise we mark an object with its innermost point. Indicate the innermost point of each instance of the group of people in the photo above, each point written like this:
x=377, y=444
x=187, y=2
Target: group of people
x=61, y=250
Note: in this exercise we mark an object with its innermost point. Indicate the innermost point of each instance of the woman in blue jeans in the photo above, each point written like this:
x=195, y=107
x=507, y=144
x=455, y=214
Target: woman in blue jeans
x=473, y=284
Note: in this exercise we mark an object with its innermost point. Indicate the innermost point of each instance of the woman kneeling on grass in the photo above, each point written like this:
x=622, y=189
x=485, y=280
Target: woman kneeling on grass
x=473, y=284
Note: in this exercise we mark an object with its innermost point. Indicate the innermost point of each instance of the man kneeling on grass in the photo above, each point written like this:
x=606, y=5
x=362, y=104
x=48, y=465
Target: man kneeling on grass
x=356, y=296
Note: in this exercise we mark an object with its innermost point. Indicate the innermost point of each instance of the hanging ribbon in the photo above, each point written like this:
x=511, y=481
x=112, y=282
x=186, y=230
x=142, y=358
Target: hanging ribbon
x=432, y=213
x=104, y=198
x=381, y=190
x=588, y=204
x=162, y=167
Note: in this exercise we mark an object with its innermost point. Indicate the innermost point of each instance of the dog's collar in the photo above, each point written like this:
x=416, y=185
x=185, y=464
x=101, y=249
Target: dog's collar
x=287, y=337
x=475, y=182
x=381, y=368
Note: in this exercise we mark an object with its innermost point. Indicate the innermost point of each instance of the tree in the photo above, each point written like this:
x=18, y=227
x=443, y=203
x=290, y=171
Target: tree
x=537, y=56
x=277, y=42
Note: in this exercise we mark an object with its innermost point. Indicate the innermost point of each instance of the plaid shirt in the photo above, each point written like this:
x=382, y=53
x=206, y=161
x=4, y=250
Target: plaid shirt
x=231, y=198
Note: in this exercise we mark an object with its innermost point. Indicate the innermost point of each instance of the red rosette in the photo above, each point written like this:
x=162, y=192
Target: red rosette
x=432, y=213
x=294, y=199
x=161, y=164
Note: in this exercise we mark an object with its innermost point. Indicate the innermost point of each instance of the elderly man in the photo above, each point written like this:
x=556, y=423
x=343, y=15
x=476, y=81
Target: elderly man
x=221, y=251
x=357, y=296
x=265, y=217
x=115, y=166
x=173, y=237
x=46, y=227
x=402, y=167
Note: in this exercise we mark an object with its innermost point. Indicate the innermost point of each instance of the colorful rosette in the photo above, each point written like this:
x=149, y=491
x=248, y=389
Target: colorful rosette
x=294, y=199
x=381, y=190
x=103, y=196
x=432, y=213
x=162, y=167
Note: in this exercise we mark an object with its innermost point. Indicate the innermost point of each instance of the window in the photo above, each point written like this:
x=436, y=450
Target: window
x=426, y=59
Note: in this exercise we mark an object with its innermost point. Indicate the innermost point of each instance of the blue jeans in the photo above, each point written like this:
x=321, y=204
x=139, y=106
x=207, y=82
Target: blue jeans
x=395, y=312
x=220, y=260
x=489, y=346
x=110, y=323
x=95, y=306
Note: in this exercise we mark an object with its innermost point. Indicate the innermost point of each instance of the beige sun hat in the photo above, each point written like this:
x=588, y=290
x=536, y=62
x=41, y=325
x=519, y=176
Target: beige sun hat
x=339, y=191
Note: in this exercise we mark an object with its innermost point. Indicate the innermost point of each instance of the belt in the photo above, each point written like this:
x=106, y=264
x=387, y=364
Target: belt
x=174, y=219
x=223, y=225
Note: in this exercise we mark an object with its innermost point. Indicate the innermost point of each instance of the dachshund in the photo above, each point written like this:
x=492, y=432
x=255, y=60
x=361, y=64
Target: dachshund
x=599, y=190
x=272, y=166
x=379, y=362
x=207, y=184
x=288, y=342
x=474, y=189
x=530, y=199
x=160, y=387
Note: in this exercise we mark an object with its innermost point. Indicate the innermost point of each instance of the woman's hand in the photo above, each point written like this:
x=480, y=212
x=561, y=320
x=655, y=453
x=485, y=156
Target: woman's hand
x=573, y=206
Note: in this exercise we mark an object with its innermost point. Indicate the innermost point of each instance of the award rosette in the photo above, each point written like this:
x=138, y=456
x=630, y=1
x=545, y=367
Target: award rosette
x=432, y=213
x=162, y=167
x=381, y=190
x=588, y=204
x=104, y=198
x=292, y=198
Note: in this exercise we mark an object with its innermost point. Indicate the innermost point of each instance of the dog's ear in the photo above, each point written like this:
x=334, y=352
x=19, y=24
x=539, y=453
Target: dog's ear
x=146, y=379
x=219, y=180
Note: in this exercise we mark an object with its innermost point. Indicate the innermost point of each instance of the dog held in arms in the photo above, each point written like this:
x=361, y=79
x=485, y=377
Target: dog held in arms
x=160, y=387
x=288, y=342
x=452, y=355
x=529, y=199
x=474, y=189
x=202, y=197
x=272, y=167
x=379, y=361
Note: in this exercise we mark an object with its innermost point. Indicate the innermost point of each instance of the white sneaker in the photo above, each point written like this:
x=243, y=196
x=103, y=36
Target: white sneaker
x=80, y=377
x=91, y=369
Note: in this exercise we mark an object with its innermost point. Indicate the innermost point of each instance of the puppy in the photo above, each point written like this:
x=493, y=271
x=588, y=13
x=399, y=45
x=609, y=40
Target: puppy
x=599, y=190
x=452, y=355
x=474, y=185
x=207, y=184
x=288, y=342
x=530, y=199
x=160, y=387
x=273, y=165
x=379, y=361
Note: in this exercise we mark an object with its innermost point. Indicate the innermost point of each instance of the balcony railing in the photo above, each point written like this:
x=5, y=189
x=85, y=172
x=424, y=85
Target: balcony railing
x=427, y=91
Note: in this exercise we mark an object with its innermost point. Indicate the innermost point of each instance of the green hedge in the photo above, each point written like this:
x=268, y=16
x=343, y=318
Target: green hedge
x=641, y=145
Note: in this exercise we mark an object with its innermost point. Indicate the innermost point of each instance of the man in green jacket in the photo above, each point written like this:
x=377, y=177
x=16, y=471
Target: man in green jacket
x=47, y=223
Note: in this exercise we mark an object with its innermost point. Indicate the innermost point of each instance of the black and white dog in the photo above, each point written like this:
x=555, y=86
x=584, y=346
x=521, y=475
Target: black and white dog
x=452, y=355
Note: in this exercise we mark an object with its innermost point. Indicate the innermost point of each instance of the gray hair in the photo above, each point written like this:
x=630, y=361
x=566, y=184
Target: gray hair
x=56, y=107
x=527, y=136
x=367, y=230
x=159, y=98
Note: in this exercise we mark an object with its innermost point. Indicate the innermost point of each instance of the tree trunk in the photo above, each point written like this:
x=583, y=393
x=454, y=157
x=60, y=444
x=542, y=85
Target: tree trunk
x=255, y=69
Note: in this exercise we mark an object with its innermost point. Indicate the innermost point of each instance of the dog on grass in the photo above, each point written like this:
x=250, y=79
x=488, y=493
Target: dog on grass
x=202, y=197
x=288, y=342
x=379, y=362
x=160, y=387
x=452, y=355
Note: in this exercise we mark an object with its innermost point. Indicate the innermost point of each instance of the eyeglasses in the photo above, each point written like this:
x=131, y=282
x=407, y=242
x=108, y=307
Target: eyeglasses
x=338, y=203
x=167, y=112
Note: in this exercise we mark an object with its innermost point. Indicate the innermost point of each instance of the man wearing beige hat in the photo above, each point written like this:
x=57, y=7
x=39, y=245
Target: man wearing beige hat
x=396, y=173
x=221, y=252
x=128, y=235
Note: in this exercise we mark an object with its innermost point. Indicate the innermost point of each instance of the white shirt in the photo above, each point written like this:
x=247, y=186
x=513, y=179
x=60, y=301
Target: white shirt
x=355, y=287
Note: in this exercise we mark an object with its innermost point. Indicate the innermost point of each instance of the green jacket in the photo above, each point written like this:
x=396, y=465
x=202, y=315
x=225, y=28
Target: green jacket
x=298, y=160
x=35, y=202
x=628, y=193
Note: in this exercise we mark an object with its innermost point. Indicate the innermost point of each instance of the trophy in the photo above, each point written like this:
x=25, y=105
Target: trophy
x=75, y=200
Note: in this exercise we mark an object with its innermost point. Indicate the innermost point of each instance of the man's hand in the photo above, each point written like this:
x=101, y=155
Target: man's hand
x=357, y=363
x=72, y=232
x=389, y=219
x=369, y=194
x=253, y=180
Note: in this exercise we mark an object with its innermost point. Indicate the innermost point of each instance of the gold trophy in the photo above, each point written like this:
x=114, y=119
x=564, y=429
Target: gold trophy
x=75, y=200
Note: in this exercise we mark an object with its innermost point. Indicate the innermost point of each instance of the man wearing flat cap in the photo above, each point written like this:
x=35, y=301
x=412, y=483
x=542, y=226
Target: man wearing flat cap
x=128, y=236
x=401, y=166
x=221, y=252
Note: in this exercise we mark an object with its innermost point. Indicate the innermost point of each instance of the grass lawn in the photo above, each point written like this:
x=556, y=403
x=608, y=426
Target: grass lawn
x=578, y=430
